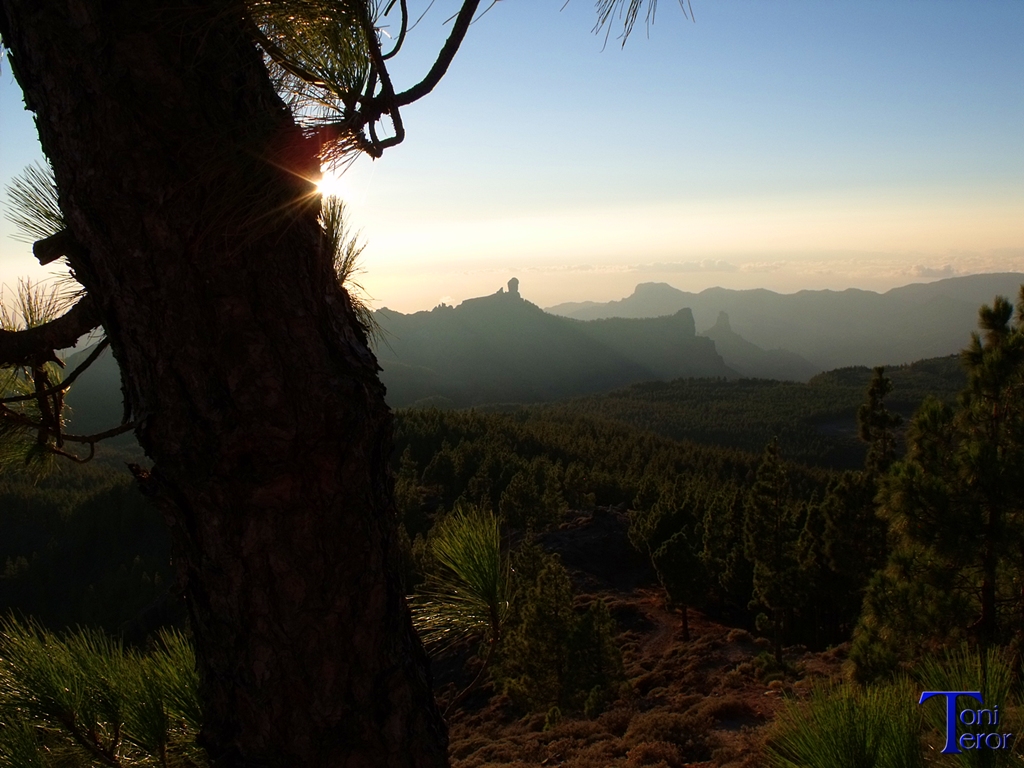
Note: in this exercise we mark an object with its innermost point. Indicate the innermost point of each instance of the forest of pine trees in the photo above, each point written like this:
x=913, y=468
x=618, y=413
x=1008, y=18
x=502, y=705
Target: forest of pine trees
x=920, y=550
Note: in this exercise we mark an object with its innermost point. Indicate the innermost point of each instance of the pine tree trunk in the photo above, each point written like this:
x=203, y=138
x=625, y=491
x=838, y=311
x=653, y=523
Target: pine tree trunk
x=777, y=633
x=251, y=383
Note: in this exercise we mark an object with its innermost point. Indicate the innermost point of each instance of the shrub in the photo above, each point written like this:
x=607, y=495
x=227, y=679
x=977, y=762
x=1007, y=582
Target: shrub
x=466, y=595
x=849, y=728
x=991, y=674
x=654, y=753
x=688, y=732
x=551, y=656
x=84, y=699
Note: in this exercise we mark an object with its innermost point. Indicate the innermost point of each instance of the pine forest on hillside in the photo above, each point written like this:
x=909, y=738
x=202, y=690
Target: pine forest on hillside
x=697, y=571
x=248, y=521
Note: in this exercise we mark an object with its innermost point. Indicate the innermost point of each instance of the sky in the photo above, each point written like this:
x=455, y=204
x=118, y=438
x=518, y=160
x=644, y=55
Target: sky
x=788, y=145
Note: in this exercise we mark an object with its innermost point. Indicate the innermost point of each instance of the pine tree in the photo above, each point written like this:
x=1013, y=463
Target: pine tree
x=770, y=533
x=521, y=504
x=724, y=551
x=193, y=224
x=876, y=424
x=955, y=513
x=536, y=655
x=682, y=572
x=853, y=546
x=991, y=421
x=552, y=656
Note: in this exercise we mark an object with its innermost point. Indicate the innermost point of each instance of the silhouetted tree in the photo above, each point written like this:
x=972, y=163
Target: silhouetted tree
x=191, y=219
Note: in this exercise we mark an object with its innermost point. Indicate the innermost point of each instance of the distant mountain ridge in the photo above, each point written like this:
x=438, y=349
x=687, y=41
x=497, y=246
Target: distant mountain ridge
x=751, y=361
x=502, y=348
x=814, y=421
x=492, y=349
x=831, y=329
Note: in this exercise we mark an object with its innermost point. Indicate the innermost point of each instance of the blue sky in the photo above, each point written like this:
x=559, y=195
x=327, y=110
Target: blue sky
x=787, y=144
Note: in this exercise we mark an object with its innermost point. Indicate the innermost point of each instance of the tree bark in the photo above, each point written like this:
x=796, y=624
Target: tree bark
x=185, y=179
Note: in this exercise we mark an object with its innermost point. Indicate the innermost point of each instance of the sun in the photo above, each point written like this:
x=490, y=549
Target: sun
x=333, y=184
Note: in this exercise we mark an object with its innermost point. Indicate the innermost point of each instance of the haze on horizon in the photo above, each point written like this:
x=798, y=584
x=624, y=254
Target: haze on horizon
x=785, y=146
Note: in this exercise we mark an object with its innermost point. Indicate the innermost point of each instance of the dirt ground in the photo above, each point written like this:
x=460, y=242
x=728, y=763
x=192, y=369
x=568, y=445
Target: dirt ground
x=706, y=702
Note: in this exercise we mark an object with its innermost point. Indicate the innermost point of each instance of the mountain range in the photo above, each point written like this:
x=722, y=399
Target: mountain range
x=503, y=349
x=830, y=329
x=493, y=349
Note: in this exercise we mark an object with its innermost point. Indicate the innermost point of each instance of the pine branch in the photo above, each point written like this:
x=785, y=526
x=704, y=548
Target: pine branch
x=20, y=347
x=67, y=381
x=51, y=248
x=444, y=58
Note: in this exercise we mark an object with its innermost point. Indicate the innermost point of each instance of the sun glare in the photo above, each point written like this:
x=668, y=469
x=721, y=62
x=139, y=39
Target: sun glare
x=332, y=183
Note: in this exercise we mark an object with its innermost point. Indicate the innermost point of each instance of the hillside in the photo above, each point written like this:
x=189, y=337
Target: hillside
x=751, y=361
x=831, y=329
x=816, y=421
x=94, y=402
x=502, y=348
x=492, y=349
x=604, y=497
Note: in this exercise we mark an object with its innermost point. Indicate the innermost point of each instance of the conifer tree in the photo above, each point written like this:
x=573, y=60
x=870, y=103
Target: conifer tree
x=955, y=512
x=681, y=571
x=876, y=424
x=853, y=546
x=724, y=551
x=185, y=138
x=991, y=422
x=771, y=530
x=521, y=502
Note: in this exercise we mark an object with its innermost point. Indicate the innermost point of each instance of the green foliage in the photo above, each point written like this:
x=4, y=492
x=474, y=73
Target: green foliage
x=85, y=700
x=604, y=461
x=627, y=11
x=552, y=656
x=955, y=513
x=318, y=55
x=679, y=563
x=520, y=502
x=680, y=568
x=24, y=423
x=771, y=532
x=876, y=424
x=344, y=244
x=816, y=422
x=729, y=571
x=915, y=605
x=849, y=728
x=597, y=666
x=468, y=594
x=536, y=655
x=854, y=541
x=83, y=547
x=674, y=487
x=992, y=674
x=552, y=718
x=32, y=204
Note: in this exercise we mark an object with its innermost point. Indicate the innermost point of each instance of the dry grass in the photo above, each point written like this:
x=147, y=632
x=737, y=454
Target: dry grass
x=702, y=703
x=685, y=704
